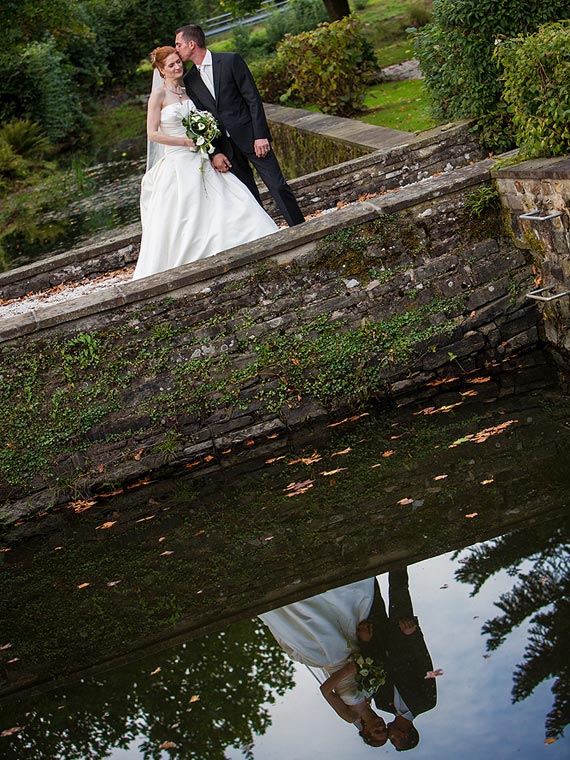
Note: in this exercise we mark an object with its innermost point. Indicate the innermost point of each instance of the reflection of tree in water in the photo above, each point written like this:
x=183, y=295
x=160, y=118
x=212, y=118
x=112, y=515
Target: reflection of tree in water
x=540, y=593
x=234, y=675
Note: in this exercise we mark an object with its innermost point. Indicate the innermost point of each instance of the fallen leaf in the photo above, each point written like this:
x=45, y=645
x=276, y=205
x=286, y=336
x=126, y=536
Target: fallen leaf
x=144, y=519
x=225, y=452
x=57, y=548
x=388, y=453
x=471, y=515
x=106, y=525
x=167, y=745
x=81, y=506
x=5, y=646
x=339, y=453
x=551, y=740
x=298, y=488
x=100, y=468
x=161, y=539
x=268, y=538
x=486, y=482
x=274, y=459
x=486, y=656
x=14, y=659
x=434, y=673
x=333, y=472
x=250, y=442
x=166, y=553
x=5, y=549
x=405, y=502
x=84, y=585
x=445, y=585
x=440, y=477
x=479, y=380
x=113, y=583
x=190, y=465
x=194, y=698
x=157, y=670
x=200, y=533
x=11, y=731
x=273, y=435
x=137, y=456
x=208, y=458
x=469, y=393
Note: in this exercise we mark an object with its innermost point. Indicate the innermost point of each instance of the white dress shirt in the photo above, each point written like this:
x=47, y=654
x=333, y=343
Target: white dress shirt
x=207, y=73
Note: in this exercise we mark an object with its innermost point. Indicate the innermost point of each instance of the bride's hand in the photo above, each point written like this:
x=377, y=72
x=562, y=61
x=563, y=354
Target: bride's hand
x=188, y=143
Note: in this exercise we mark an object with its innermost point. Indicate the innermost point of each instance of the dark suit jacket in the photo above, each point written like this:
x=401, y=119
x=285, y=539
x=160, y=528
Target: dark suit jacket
x=405, y=657
x=238, y=106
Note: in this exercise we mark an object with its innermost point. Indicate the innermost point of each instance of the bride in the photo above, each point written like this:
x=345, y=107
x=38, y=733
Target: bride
x=323, y=633
x=188, y=209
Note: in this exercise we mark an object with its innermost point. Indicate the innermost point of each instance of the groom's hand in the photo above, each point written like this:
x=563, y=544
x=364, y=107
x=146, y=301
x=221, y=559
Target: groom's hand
x=261, y=147
x=221, y=163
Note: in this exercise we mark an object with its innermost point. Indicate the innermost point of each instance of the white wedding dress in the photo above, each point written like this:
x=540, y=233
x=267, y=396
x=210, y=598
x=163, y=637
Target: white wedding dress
x=189, y=210
x=320, y=632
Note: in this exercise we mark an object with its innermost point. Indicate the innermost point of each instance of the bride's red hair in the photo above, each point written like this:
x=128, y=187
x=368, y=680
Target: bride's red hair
x=159, y=55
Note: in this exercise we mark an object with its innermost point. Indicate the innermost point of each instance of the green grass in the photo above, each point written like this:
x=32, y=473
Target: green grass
x=125, y=122
x=395, y=53
x=398, y=105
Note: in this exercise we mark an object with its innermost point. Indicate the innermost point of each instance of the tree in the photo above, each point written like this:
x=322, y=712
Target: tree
x=336, y=9
x=542, y=595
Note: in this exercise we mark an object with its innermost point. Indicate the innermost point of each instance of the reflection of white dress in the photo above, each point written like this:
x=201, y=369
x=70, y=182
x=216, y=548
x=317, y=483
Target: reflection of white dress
x=188, y=209
x=321, y=631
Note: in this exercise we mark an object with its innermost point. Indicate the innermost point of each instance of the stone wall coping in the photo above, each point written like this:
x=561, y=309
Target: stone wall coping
x=283, y=241
x=537, y=168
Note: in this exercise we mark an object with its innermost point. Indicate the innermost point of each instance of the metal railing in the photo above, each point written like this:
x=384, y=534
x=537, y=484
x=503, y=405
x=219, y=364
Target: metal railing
x=226, y=22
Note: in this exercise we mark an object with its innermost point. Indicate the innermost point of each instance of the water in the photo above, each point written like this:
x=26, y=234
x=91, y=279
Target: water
x=132, y=620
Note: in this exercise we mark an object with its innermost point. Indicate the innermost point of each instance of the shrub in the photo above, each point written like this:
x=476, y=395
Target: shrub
x=330, y=67
x=25, y=138
x=456, y=51
x=300, y=16
x=12, y=166
x=536, y=74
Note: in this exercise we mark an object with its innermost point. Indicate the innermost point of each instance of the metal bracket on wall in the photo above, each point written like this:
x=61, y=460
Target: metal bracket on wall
x=534, y=294
x=536, y=215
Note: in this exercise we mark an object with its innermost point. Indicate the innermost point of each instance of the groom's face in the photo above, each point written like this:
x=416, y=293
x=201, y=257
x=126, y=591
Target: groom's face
x=184, y=47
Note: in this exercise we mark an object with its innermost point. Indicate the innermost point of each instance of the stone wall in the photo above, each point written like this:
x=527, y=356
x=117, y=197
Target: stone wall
x=375, y=301
x=543, y=186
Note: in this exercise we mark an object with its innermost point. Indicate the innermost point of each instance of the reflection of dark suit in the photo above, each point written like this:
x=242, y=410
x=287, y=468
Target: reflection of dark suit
x=239, y=110
x=405, y=657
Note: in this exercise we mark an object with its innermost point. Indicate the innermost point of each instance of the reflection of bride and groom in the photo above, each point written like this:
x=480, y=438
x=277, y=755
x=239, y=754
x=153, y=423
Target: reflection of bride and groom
x=338, y=633
x=192, y=207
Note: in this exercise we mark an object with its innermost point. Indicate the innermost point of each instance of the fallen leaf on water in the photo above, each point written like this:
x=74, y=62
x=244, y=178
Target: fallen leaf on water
x=161, y=539
x=11, y=731
x=113, y=583
x=333, y=472
x=483, y=435
x=209, y=458
x=166, y=553
x=349, y=419
x=14, y=659
x=388, y=453
x=479, y=380
x=307, y=460
x=274, y=459
x=225, y=452
x=405, y=501
x=57, y=548
x=298, y=488
x=194, y=698
x=435, y=383
x=486, y=482
x=339, y=453
x=83, y=585
x=156, y=670
x=469, y=393
x=268, y=538
x=110, y=494
x=551, y=740
x=139, y=483
x=439, y=409
x=192, y=464
x=5, y=549
x=81, y=506
x=395, y=437
x=250, y=442
x=471, y=515
x=486, y=656
x=200, y=533
x=440, y=477
x=273, y=435
x=434, y=673
x=5, y=646
x=137, y=456
x=144, y=519
x=445, y=585
x=167, y=745
x=106, y=525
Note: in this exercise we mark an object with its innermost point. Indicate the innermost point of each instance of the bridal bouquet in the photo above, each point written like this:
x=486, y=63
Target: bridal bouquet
x=203, y=129
x=369, y=675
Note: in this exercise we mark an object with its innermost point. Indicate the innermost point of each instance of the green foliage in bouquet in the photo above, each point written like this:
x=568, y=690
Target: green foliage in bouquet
x=370, y=676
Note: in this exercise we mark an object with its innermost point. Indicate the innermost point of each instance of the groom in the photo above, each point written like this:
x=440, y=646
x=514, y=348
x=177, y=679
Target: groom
x=222, y=84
